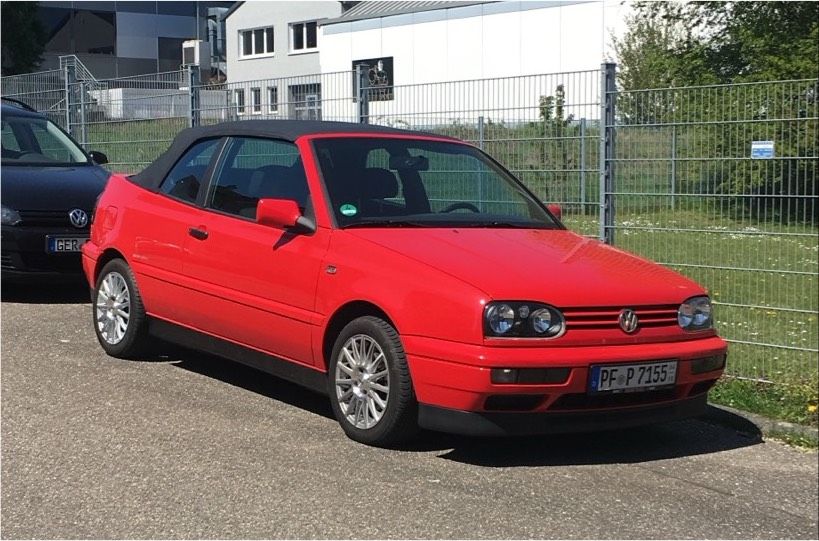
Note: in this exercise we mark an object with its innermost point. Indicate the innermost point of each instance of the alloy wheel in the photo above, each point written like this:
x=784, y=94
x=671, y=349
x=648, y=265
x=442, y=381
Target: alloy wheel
x=113, y=308
x=362, y=381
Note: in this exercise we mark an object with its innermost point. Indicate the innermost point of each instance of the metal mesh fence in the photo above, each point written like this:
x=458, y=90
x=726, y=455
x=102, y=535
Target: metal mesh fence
x=544, y=128
x=326, y=96
x=720, y=183
x=682, y=187
x=132, y=119
x=45, y=91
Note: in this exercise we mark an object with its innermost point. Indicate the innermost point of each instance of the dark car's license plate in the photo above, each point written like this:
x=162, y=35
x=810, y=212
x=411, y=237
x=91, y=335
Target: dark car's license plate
x=55, y=245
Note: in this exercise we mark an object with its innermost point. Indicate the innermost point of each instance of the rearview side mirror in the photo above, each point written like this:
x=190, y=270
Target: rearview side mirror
x=98, y=157
x=282, y=214
x=555, y=209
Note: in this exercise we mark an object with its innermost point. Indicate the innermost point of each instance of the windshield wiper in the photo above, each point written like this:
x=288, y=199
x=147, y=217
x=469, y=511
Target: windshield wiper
x=388, y=223
x=501, y=224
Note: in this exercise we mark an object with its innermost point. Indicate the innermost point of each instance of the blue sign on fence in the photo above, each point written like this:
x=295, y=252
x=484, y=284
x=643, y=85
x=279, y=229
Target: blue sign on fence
x=762, y=150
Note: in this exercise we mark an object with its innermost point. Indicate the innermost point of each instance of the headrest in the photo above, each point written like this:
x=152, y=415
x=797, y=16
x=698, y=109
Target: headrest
x=378, y=183
x=279, y=181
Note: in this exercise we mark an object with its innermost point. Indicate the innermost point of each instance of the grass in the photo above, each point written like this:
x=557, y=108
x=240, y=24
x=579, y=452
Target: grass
x=796, y=403
x=797, y=440
x=133, y=144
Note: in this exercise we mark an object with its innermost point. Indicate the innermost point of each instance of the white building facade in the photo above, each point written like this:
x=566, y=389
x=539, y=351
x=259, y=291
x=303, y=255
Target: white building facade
x=461, y=41
x=408, y=51
x=452, y=62
x=268, y=41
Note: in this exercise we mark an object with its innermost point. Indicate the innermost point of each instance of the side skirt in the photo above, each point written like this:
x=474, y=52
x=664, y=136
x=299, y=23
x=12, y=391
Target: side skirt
x=301, y=375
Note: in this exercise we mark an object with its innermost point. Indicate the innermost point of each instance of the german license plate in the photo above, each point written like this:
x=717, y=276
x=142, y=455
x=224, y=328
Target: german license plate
x=631, y=377
x=55, y=245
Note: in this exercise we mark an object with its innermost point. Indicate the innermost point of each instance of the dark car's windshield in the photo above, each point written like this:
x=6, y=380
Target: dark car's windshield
x=391, y=182
x=37, y=141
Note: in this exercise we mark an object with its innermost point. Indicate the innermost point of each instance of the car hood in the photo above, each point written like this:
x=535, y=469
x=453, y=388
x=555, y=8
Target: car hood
x=52, y=188
x=554, y=266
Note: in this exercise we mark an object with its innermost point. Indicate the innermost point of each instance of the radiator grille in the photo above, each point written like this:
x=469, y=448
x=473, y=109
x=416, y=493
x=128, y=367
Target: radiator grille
x=609, y=317
x=45, y=218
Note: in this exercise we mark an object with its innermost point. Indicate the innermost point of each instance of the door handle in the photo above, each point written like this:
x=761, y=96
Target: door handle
x=197, y=233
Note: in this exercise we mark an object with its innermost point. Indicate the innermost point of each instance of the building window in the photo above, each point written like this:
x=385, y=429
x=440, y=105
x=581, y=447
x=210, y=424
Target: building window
x=247, y=43
x=240, y=101
x=273, y=99
x=303, y=36
x=256, y=100
x=256, y=42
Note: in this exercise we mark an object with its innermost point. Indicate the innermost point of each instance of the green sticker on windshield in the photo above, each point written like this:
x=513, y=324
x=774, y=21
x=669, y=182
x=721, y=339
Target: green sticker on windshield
x=348, y=210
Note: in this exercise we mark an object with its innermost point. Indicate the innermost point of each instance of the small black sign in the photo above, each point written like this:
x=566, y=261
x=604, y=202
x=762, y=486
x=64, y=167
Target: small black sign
x=379, y=76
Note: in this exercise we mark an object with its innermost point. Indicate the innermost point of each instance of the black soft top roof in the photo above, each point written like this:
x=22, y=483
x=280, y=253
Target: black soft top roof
x=288, y=130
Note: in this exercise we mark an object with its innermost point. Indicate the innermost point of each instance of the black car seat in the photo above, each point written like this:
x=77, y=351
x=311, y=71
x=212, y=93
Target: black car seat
x=377, y=185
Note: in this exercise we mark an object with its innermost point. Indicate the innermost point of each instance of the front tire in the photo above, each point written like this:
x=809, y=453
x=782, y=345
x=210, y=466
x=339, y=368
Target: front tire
x=370, y=387
x=119, y=316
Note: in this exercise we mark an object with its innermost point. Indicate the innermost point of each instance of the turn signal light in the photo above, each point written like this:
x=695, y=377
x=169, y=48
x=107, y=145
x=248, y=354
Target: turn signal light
x=707, y=364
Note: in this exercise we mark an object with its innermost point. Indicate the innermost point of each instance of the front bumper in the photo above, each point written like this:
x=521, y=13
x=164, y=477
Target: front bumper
x=452, y=384
x=24, y=253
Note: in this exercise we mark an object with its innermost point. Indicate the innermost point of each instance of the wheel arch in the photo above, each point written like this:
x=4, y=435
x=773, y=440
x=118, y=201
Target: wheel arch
x=106, y=256
x=342, y=316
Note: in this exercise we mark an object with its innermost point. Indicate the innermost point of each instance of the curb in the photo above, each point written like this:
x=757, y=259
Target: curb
x=751, y=423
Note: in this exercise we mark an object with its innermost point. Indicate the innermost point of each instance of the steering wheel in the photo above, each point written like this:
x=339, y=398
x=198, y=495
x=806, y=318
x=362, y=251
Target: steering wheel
x=462, y=205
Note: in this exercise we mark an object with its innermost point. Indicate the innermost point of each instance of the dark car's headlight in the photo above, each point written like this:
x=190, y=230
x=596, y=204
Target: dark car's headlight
x=520, y=319
x=695, y=314
x=10, y=216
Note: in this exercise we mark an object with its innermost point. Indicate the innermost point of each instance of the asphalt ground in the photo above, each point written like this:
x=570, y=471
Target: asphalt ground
x=191, y=446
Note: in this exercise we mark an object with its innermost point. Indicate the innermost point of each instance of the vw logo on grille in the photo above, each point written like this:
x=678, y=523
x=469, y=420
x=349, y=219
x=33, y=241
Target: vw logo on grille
x=78, y=217
x=629, y=321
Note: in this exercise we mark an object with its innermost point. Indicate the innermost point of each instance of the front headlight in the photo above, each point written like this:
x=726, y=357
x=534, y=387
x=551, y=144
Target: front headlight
x=500, y=318
x=10, y=216
x=695, y=314
x=521, y=319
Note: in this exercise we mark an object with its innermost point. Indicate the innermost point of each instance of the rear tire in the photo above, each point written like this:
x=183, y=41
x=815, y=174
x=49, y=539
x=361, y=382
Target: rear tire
x=118, y=314
x=369, y=384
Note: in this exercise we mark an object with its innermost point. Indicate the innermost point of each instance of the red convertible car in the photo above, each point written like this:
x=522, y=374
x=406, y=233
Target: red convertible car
x=407, y=275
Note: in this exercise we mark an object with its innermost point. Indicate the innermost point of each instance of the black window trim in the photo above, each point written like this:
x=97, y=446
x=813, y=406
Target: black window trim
x=220, y=146
x=204, y=188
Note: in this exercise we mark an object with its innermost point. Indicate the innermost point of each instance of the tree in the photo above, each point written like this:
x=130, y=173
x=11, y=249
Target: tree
x=23, y=37
x=692, y=43
x=644, y=52
x=671, y=46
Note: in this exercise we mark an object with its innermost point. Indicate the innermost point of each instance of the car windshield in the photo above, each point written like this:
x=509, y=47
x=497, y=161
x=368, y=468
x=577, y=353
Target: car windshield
x=37, y=141
x=399, y=182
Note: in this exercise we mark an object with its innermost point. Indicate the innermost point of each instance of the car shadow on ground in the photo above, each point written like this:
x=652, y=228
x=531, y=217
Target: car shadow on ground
x=628, y=446
x=46, y=292
x=247, y=378
x=635, y=445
